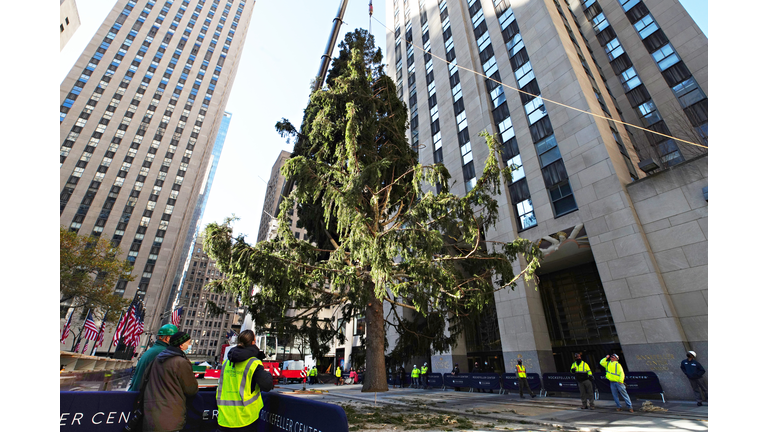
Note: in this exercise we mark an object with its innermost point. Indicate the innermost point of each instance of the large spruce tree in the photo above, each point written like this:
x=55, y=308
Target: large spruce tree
x=378, y=234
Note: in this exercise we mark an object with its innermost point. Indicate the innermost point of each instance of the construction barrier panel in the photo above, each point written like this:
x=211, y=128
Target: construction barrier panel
x=458, y=380
x=635, y=382
x=560, y=382
x=434, y=380
x=509, y=381
x=110, y=411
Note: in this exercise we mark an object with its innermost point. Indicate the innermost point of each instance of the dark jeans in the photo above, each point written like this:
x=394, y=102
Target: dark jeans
x=522, y=383
x=587, y=393
x=698, y=388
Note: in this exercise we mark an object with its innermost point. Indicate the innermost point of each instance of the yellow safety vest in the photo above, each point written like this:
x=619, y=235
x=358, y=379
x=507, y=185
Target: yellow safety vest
x=312, y=372
x=415, y=373
x=584, y=367
x=613, y=371
x=238, y=406
x=338, y=372
x=424, y=370
x=520, y=371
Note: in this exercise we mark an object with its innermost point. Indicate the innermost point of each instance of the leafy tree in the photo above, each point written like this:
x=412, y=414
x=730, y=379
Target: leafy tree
x=89, y=268
x=379, y=237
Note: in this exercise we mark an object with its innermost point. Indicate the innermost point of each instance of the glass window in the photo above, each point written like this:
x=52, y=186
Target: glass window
x=646, y=26
x=665, y=57
x=599, y=23
x=524, y=75
x=614, y=49
x=525, y=214
x=562, y=199
x=629, y=79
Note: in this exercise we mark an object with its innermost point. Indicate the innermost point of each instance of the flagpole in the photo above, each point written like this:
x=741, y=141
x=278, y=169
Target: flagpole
x=67, y=327
x=81, y=329
x=112, y=340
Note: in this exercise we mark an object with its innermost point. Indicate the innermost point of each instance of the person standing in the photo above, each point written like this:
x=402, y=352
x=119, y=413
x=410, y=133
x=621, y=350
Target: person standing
x=169, y=384
x=455, y=372
x=584, y=377
x=522, y=379
x=423, y=375
x=415, y=377
x=694, y=371
x=478, y=369
x=163, y=336
x=402, y=376
x=615, y=374
x=240, y=385
x=338, y=376
x=353, y=375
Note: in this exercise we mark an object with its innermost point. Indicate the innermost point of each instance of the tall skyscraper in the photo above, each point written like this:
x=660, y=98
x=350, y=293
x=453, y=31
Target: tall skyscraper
x=614, y=278
x=140, y=113
x=69, y=21
x=197, y=217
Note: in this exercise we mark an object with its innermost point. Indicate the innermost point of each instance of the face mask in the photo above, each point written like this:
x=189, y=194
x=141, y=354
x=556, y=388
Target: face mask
x=188, y=350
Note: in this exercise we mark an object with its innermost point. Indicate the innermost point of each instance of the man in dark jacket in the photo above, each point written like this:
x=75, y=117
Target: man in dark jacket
x=163, y=336
x=455, y=372
x=170, y=383
x=694, y=371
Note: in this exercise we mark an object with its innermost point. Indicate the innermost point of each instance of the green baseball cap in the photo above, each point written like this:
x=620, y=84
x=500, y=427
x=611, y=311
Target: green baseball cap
x=167, y=330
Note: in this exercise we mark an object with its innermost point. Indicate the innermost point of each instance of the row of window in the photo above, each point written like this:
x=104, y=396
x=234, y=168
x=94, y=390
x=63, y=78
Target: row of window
x=551, y=162
x=149, y=157
x=596, y=88
x=638, y=96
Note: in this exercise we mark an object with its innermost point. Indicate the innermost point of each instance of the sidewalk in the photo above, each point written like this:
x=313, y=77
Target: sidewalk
x=552, y=412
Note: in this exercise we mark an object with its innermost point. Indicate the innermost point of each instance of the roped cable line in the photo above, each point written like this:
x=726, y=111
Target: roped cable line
x=549, y=100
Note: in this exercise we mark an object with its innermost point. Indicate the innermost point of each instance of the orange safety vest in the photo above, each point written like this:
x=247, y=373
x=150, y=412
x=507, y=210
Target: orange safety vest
x=520, y=371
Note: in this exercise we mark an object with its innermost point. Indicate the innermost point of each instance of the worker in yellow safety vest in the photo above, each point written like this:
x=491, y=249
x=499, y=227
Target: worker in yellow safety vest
x=522, y=379
x=615, y=374
x=423, y=375
x=242, y=380
x=583, y=373
x=313, y=375
x=339, y=380
x=415, y=377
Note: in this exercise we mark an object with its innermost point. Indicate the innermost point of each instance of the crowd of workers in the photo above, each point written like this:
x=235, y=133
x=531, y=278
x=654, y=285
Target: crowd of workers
x=164, y=377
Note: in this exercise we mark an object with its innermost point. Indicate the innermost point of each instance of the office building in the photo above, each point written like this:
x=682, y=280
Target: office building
x=140, y=113
x=197, y=216
x=69, y=21
x=207, y=329
x=625, y=253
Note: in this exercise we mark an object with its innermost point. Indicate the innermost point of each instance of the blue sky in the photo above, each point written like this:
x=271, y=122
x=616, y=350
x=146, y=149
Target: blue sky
x=281, y=56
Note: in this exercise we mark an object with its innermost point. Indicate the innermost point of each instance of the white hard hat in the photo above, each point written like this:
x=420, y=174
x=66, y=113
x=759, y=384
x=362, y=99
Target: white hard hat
x=693, y=353
x=425, y=363
x=414, y=365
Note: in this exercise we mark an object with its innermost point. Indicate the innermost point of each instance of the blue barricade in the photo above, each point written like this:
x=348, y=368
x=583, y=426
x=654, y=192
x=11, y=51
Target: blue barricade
x=458, y=380
x=110, y=411
x=560, y=382
x=635, y=382
x=434, y=380
x=509, y=381
x=485, y=381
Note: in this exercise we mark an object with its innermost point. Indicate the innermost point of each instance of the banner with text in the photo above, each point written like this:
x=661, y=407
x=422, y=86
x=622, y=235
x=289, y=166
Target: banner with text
x=635, y=382
x=434, y=380
x=458, y=380
x=560, y=382
x=110, y=411
x=509, y=380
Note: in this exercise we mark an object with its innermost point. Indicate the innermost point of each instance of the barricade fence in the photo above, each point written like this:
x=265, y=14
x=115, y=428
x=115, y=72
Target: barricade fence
x=110, y=411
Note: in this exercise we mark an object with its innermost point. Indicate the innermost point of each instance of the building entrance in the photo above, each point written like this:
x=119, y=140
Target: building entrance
x=578, y=316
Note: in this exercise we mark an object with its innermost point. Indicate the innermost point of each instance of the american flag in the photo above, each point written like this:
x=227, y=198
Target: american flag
x=77, y=347
x=176, y=316
x=121, y=325
x=138, y=332
x=131, y=326
x=85, y=348
x=90, y=331
x=101, y=333
x=65, y=332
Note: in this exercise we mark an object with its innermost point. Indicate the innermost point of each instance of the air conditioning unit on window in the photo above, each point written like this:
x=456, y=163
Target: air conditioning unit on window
x=648, y=165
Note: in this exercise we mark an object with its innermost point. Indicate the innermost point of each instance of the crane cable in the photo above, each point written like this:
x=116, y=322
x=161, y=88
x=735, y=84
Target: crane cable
x=542, y=97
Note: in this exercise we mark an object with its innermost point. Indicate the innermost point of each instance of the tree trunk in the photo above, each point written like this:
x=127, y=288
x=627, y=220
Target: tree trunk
x=375, y=372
